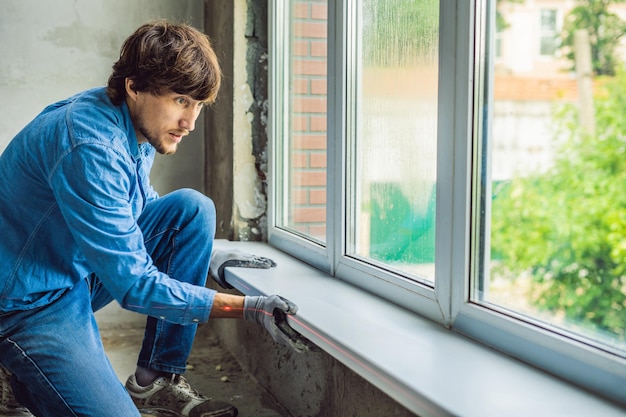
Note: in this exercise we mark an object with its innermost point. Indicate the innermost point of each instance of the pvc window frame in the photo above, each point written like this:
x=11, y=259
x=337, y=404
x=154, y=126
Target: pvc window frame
x=463, y=81
x=331, y=257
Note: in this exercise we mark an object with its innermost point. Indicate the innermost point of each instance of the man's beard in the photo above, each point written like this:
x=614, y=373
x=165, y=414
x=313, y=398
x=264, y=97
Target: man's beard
x=156, y=142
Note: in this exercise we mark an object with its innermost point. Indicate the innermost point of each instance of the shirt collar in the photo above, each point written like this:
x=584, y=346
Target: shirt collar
x=133, y=145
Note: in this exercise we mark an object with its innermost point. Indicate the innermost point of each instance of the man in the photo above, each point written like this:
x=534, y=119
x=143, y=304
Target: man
x=82, y=226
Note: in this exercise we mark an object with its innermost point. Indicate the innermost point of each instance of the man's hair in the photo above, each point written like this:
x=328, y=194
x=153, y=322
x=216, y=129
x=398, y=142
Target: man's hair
x=160, y=57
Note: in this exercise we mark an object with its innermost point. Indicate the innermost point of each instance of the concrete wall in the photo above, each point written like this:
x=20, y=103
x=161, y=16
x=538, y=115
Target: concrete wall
x=53, y=49
x=312, y=384
x=236, y=173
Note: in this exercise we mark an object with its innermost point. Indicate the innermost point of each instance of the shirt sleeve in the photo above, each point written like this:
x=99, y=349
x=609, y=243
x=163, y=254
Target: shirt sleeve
x=148, y=152
x=93, y=185
x=173, y=301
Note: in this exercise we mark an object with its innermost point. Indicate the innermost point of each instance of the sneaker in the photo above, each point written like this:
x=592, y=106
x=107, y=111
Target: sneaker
x=175, y=398
x=9, y=406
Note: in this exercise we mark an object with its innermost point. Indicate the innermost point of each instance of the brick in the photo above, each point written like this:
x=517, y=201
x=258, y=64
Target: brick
x=319, y=86
x=317, y=196
x=319, y=49
x=299, y=123
x=508, y=87
x=300, y=48
x=302, y=67
x=309, y=178
x=300, y=227
x=300, y=160
x=298, y=196
x=311, y=142
x=318, y=231
x=316, y=30
x=301, y=11
x=315, y=214
x=300, y=85
x=309, y=105
x=317, y=160
x=319, y=11
x=317, y=123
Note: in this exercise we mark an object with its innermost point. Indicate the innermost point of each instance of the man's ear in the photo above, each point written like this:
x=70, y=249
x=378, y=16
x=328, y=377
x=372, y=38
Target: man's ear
x=130, y=91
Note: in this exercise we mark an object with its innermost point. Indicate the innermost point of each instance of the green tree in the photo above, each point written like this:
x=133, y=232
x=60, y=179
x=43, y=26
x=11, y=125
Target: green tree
x=501, y=22
x=567, y=227
x=605, y=31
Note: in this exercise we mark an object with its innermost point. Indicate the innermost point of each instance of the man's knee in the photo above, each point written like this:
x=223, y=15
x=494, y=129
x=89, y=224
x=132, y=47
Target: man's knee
x=192, y=204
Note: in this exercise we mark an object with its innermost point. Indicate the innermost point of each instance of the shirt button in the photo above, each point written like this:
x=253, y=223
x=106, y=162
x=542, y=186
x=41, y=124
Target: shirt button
x=195, y=320
x=162, y=317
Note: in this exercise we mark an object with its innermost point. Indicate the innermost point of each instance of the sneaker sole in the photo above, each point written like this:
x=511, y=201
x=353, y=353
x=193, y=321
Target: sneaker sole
x=168, y=413
x=157, y=413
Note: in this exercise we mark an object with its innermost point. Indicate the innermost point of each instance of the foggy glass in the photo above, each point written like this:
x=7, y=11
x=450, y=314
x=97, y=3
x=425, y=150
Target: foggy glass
x=395, y=145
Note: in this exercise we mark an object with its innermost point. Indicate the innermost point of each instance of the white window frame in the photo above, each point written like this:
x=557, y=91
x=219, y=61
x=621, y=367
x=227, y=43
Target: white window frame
x=462, y=82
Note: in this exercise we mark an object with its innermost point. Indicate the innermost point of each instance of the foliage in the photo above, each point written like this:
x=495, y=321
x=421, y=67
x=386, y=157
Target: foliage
x=605, y=31
x=501, y=23
x=567, y=227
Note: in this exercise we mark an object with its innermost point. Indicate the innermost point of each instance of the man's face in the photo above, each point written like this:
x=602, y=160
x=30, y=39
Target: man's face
x=163, y=120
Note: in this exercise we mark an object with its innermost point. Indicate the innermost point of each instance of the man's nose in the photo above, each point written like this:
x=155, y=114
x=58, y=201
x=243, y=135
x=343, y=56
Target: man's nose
x=188, y=121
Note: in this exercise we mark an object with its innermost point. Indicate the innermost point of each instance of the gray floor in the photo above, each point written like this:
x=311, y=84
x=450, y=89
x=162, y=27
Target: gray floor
x=212, y=371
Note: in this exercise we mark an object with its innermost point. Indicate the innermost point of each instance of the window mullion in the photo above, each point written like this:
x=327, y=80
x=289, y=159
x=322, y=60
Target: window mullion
x=338, y=109
x=454, y=155
x=276, y=122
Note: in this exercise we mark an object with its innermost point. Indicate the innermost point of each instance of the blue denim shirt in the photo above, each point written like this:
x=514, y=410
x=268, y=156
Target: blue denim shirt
x=73, y=183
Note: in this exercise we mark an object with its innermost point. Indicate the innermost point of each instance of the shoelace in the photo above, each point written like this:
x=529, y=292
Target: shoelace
x=186, y=387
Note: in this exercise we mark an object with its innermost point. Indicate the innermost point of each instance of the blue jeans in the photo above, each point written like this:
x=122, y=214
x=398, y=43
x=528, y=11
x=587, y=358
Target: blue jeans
x=55, y=352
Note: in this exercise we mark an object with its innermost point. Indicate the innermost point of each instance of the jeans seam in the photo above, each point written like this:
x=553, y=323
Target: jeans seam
x=42, y=375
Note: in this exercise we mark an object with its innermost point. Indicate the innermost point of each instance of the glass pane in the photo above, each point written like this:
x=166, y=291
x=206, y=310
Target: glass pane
x=547, y=45
x=395, y=148
x=548, y=19
x=555, y=241
x=305, y=193
x=549, y=36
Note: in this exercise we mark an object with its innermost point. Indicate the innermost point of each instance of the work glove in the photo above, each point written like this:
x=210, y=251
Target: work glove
x=221, y=259
x=271, y=312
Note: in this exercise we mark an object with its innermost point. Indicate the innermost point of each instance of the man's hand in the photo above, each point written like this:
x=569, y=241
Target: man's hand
x=271, y=312
x=221, y=259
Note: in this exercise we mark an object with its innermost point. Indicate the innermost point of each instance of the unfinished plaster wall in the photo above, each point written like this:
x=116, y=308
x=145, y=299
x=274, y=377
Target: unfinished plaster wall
x=53, y=49
x=236, y=173
x=218, y=175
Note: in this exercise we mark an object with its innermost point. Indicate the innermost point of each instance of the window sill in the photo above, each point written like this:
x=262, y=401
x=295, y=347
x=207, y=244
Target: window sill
x=428, y=369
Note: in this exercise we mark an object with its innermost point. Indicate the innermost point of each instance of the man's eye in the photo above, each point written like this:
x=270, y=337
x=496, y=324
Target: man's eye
x=181, y=100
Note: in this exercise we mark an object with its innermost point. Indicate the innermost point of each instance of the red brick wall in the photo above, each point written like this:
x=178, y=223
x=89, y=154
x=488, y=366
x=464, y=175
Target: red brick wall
x=308, y=118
